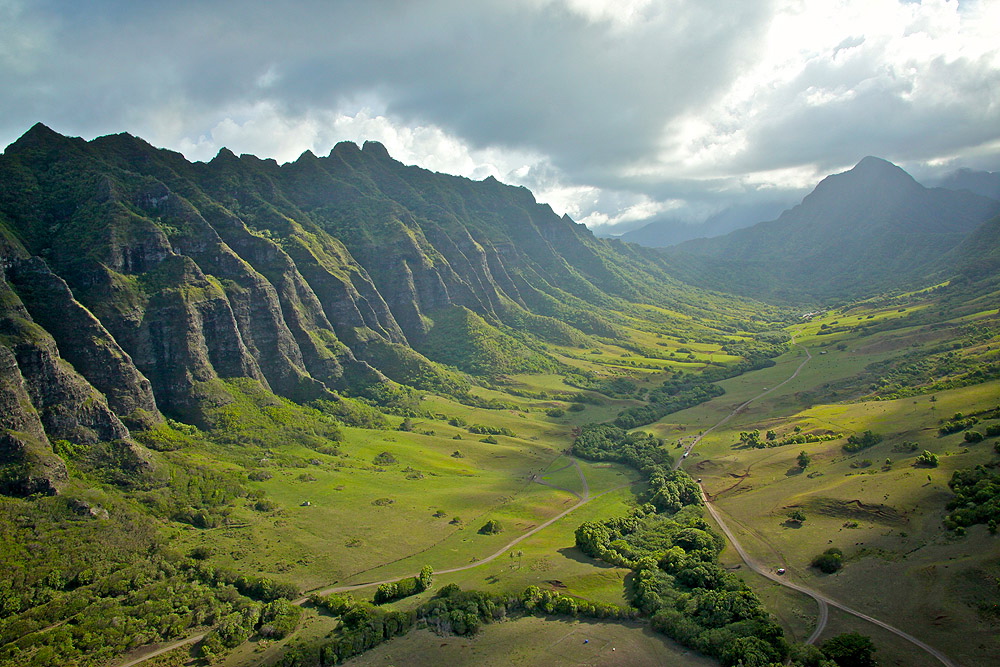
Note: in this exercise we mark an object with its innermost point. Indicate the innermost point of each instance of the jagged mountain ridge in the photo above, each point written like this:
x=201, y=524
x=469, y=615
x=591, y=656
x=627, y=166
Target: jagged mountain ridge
x=146, y=281
x=857, y=233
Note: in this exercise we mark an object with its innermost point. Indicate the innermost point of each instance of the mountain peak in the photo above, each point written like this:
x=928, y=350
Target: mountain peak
x=39, y=136
x=375, y=149
x=224, y=156
x=872, y=162
x=871, y=174
x=872, y=167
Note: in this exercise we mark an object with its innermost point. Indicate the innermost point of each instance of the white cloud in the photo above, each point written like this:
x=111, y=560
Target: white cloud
x=266, y=131
x=829, y=72
x=593, y=104
x=618, y=13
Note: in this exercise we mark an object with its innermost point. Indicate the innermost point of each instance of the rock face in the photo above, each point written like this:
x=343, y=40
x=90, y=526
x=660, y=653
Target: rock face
x=135, y=281
x=42, y=400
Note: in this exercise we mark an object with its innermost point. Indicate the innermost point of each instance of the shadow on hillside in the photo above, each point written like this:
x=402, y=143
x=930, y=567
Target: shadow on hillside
x=575, y=554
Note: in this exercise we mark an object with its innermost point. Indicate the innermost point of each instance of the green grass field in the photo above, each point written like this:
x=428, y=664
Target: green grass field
x=361, y=517
x=882, y=510
x=533, y=641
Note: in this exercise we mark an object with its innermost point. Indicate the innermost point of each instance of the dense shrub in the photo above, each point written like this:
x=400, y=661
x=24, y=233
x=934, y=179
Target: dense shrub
x=856, y=443
x=829, y=561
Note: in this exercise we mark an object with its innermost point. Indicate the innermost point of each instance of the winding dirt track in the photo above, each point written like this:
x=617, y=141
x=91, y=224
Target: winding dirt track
x=742, y=406
x=823, y=602
x=584, y=498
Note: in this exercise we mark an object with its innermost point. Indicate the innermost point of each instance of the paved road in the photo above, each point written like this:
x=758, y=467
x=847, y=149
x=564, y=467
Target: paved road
x=823, y=602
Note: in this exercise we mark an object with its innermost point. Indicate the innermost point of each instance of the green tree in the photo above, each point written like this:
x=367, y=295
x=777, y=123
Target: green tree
x=426, y=577
x=491, y=527
x=851, y=649
x=829, y=561
x=804, y=460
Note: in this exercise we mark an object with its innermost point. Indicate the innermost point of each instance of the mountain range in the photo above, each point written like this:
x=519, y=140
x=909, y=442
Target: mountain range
x=870, y=229
x=666, y=231
x=137, y=286
x=135, y=283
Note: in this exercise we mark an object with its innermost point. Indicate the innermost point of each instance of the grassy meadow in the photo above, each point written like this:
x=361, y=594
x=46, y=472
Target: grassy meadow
x=334, y=506
x=878, y=505
x=882, y=509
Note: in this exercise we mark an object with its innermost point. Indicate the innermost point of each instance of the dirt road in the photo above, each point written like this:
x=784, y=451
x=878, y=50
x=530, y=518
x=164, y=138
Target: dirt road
x=823, y=602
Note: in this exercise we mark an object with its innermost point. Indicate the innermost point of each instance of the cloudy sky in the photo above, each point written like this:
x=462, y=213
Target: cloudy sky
x=613, y=111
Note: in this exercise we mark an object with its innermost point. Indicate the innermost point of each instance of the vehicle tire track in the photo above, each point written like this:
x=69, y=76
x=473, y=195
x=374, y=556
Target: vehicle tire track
x=744, y=405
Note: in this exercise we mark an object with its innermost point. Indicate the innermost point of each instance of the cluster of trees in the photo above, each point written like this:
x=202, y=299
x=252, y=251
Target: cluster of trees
x=275, y=619
x=927, y=459
x=598, y=539
x=491, y=527
x=693, y=600
x=677, y=579
x=670, y=490
x=683, y=391
x=856, y=443
x=752, y=439
x=921, y=372
x=97, y=559
x=350, y=412
x=766, y=346
x=977, y=497
x=829, y=561
x=604, y=442
x=396, y=590
x=957, y=423
x=480, y=429
x=363, y=626
x=257, y=588
x=126, y=594
x=451, y=610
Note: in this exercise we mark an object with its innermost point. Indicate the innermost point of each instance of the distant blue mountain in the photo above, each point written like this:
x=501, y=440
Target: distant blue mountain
x=665, y=231
x=985, y=183
x=857, y=233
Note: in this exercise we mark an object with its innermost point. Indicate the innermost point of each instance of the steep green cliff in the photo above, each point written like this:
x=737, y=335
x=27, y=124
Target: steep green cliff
x=138, y=283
